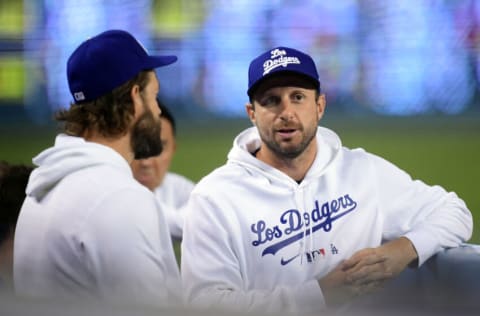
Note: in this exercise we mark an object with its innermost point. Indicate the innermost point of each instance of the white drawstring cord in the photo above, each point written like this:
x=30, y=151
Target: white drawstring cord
x=300, y=204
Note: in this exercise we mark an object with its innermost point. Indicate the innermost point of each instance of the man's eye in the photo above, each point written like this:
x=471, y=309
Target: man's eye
x=269, y=101
x=298, y=97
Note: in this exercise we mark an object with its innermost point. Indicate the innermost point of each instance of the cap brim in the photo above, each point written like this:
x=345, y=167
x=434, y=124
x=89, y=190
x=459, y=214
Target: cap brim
x=253, y=89
x=160, y=61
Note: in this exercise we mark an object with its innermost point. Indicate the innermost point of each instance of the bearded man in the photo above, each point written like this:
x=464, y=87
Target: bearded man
x=87, y=228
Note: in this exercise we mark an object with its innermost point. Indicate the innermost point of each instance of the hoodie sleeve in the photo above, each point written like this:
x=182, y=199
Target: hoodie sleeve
x=128, y=248
x=430, y=217
x=213, y=268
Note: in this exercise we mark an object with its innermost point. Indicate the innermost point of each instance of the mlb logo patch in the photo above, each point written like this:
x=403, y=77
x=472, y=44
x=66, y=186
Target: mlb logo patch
x=79, y=96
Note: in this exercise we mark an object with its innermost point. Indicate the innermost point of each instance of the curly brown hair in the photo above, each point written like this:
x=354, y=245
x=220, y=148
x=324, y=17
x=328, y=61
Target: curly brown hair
x=110, y=115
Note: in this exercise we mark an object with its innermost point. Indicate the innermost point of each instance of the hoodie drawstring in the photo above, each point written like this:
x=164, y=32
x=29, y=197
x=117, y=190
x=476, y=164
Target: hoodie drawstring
x=306, y=246
x=307, y=230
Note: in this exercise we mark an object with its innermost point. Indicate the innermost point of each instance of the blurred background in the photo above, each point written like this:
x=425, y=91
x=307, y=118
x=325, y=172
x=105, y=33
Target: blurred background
x=401, y=78
x=389, y=57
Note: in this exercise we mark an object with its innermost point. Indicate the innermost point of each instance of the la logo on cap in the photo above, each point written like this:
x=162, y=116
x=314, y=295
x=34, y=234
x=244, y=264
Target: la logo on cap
x=278, y=57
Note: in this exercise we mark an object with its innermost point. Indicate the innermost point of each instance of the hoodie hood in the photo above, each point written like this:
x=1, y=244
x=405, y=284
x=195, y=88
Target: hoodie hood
x=328, y=144
x=68, y=155
x=248, y=141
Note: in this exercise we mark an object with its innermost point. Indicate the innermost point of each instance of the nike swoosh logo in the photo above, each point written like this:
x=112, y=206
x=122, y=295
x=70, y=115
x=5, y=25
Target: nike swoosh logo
x=285, y=262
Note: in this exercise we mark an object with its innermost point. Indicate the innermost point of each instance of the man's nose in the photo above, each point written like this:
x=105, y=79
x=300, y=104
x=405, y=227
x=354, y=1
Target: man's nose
x=287, y=109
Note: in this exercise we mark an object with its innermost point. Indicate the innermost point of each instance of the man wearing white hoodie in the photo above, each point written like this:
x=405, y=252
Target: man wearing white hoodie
x=294, y=222
x=87, y=228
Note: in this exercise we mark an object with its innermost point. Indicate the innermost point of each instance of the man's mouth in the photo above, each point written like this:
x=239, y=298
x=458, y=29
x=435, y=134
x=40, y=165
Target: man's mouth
x=286, y=132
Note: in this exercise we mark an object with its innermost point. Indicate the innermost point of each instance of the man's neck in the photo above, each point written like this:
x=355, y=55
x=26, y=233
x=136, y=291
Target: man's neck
x=296, y=168
x=120, y=144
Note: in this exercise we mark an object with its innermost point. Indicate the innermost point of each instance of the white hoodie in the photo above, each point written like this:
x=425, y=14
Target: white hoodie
x=172, y=194
x=88, y=229
x=256, y=240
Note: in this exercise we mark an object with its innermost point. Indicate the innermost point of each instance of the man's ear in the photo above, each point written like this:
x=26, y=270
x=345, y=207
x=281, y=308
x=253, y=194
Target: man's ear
x=137, y=100
x=250, y=112
x=321, y=104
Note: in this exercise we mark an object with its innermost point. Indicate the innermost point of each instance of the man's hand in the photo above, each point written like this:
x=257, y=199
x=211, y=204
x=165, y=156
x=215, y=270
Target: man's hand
x=367, y=270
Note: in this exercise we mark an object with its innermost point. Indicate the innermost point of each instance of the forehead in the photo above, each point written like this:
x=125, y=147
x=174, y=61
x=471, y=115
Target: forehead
x=166, y=122
x=167, y=128
x=284, y=80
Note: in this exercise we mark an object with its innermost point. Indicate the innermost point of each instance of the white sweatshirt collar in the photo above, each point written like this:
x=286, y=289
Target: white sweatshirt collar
x=68, y=155
x=248, y=141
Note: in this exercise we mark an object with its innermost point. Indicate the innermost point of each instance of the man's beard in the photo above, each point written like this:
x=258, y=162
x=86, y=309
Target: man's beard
x=290, y=153
x=145, y=140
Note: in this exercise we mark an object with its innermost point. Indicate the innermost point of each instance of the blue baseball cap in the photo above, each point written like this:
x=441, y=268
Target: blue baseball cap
x=106, y=61
x=277, y=60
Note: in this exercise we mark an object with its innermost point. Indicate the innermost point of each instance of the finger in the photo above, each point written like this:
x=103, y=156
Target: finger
x=376, y=272
x=370, y=260
x=357, y=257
x=367, y=288
x=376, y=276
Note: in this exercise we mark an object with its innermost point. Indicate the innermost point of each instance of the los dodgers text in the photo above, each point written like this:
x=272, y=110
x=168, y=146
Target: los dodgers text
x=292, y=220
